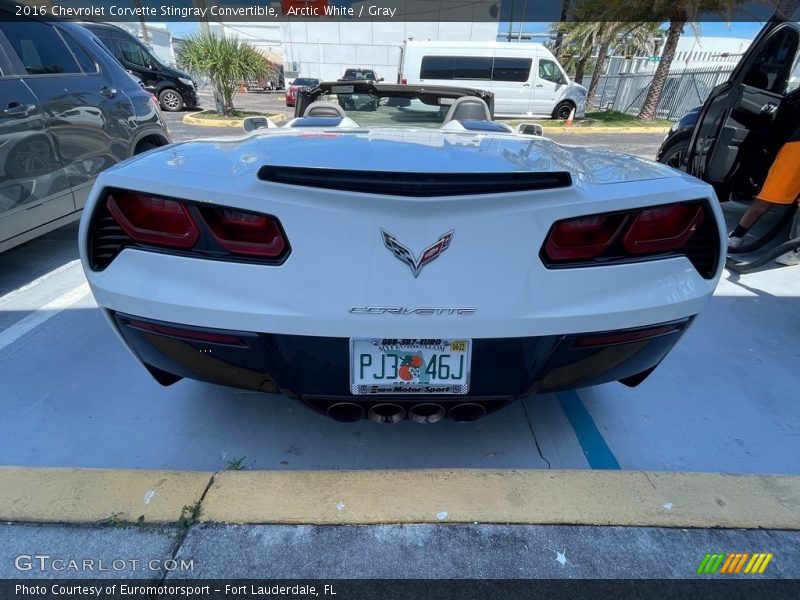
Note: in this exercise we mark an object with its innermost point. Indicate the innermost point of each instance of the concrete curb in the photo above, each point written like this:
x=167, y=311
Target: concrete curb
x=190, y=119
x=625, y=130
x=632, y=498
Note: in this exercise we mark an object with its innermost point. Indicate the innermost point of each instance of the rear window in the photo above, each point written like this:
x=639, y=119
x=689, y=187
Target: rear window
x=40, y=48
x=305, y=82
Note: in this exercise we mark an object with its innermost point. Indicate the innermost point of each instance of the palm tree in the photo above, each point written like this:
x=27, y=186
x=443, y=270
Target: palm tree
x=576, y=45
x=227, y=61
x=678, y=13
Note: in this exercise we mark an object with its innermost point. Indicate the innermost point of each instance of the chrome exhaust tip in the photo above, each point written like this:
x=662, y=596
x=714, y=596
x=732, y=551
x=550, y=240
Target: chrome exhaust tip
x=386, y=413
x=466, y=412
x=427, y=412
x=345, y=412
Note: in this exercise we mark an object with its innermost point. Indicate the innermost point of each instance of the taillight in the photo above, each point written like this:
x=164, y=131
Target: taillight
x=153, y=220
x=245, y=233
x=611, y=238
x=582, y=238
x=404, y=81
x=187, y=334
x=662, y=229
x=130, y=219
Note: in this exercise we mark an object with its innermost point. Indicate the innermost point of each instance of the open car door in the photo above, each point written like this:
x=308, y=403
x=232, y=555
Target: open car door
x=740, y=128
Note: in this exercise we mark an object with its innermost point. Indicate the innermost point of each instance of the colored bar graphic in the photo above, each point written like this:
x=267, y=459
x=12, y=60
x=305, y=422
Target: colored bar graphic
x=734, y=562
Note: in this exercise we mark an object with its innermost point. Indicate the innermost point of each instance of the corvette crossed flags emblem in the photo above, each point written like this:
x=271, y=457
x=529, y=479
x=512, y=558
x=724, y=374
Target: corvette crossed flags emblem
x=405, y=255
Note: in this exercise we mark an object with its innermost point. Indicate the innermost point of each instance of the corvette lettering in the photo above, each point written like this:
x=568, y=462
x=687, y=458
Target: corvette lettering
x=403, y=310
x=405, y=255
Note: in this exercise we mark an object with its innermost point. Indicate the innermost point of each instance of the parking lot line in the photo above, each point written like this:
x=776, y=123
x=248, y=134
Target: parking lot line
x=592, y=442
x=48, y=311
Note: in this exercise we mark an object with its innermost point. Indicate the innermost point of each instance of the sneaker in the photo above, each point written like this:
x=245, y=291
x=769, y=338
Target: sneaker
x=790, y=259
x=735, y=242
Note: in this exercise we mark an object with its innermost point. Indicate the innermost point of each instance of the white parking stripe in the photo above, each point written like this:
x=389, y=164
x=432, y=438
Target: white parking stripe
x=38, y=281
x=49, y=310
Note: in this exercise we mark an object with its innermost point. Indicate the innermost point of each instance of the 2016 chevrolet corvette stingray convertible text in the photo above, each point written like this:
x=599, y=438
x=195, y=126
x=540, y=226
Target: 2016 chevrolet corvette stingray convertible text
x=393, y=252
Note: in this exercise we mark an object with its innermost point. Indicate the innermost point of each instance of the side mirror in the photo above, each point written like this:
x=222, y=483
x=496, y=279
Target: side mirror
x=252, y=123
x=381, y=79
x=530, y=129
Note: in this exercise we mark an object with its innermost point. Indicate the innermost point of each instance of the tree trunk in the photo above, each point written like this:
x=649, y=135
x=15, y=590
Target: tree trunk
x=650, y=105
x=580, y=69
x=599, y=66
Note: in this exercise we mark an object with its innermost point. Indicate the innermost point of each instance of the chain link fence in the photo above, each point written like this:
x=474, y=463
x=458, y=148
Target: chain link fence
x=682, y=91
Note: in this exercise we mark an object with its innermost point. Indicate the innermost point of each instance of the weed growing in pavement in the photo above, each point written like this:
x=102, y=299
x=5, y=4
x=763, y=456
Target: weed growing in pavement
x=189, y=514
x=236, y=464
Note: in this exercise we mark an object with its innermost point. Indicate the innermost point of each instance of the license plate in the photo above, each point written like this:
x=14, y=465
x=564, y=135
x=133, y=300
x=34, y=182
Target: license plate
x=413, y=366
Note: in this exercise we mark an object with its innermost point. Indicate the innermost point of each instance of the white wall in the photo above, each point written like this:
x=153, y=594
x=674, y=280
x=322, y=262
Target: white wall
x=325, y=49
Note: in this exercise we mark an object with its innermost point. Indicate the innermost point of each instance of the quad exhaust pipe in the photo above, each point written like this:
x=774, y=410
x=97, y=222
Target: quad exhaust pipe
x=426, y=413
x=387, y=412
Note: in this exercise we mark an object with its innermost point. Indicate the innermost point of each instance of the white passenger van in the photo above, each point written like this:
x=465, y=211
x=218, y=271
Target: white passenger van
x=526, y=78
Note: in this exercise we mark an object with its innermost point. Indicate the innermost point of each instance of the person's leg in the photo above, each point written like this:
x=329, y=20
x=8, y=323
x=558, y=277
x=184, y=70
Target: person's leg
x=781, y=187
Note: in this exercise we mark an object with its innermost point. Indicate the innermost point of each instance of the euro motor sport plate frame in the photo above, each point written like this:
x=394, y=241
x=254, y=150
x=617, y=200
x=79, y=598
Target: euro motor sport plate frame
x=380, y=366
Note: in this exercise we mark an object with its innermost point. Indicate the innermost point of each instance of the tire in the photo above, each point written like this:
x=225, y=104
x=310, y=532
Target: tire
x=562, y=110
x=674, y=154
x=170, y=100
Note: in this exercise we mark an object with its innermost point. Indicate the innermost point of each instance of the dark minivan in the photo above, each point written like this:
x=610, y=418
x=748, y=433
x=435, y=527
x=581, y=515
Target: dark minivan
x=174, y=89
x=68, y=110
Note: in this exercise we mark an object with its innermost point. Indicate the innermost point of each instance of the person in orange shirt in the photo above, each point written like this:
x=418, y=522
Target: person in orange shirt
x=781, y=187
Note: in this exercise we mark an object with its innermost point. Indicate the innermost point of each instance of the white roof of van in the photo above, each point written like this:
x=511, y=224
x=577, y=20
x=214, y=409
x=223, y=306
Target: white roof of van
x=493, y=45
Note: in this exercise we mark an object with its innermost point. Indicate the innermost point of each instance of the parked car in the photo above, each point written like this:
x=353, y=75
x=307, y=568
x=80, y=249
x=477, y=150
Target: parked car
x=526, y=79
x=731, y=140
x=361, y=75
x=297, y=85
x=175, y=89
x=68, y=111
x=403, y=262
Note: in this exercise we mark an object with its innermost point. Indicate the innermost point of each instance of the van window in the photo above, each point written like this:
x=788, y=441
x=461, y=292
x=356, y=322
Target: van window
x=549, y=71
x=472, y=67
x=511, y=69
x=437, y=67
x=39, y=47
x=771, y=70
x=456, y=67
x=135, y=54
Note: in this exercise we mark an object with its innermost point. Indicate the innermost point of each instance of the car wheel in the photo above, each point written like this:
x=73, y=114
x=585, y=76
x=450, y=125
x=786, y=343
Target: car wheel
x=171, y=100
x=674, y=154
x=563, y=110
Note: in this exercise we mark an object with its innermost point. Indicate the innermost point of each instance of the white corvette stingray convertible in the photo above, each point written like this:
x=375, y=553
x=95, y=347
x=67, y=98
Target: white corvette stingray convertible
x=392, y=252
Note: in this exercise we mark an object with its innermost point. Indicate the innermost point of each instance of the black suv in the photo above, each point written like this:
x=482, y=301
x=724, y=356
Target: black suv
x=68, y=110
x=733, y=138
x=175, y=89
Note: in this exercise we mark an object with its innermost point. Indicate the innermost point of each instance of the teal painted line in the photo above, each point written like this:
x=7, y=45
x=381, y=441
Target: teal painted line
x=594, y=446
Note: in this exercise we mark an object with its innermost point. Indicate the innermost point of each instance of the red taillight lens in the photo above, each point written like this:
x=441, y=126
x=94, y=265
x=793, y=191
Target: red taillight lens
x=187, y=334
x=153, y=220
x=582, y=238
x=404, y=81
x=662, y=229
x=245, y=233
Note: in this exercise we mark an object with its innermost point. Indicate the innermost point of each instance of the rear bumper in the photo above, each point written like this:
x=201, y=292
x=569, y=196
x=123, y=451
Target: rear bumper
x=316, y=369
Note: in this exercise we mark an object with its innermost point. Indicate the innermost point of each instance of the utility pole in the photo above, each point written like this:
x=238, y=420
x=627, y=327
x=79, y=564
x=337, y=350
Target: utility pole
x=145, y=37
x=511, y=21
